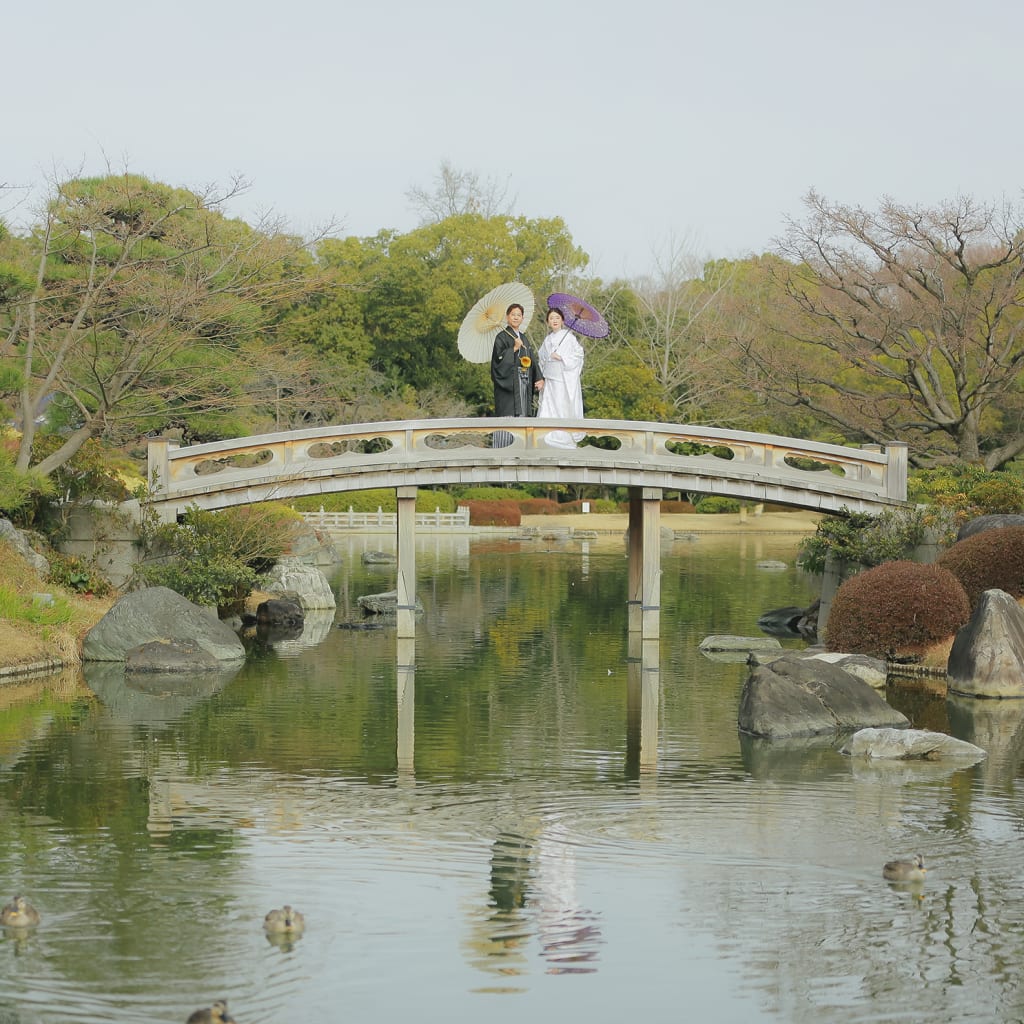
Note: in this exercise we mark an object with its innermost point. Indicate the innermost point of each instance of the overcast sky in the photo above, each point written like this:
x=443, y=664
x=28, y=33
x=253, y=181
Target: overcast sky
x=635, y=121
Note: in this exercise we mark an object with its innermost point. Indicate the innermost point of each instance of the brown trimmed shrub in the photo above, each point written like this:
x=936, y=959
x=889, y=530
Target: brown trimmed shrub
x=539, y=507
x=493, y=513
x=896, y=609
x=672, y=507
x=991, y=560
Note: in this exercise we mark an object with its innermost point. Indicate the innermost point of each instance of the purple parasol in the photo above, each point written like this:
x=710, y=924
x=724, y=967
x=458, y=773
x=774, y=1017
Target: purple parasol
x=579, y=316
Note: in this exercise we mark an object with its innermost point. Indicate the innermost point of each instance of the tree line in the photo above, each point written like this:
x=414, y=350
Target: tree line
x=131, y=308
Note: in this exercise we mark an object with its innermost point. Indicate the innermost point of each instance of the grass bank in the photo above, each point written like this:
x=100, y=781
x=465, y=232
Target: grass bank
x=36, y=634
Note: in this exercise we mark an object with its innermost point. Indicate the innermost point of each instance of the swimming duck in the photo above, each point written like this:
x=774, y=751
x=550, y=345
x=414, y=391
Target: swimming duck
x=285, y=921
x=905, y=870
x=215, y=1014
x=19, y=913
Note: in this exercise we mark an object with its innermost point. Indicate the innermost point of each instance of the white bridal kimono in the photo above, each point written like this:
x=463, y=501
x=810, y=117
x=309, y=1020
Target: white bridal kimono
x=562, y=397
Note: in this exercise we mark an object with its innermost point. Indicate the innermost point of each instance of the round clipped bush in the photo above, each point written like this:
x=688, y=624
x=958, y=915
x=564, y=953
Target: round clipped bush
x=896, y=609
x=991, y=560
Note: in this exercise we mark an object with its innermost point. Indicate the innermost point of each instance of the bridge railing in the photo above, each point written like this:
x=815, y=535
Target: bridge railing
x=474, y=451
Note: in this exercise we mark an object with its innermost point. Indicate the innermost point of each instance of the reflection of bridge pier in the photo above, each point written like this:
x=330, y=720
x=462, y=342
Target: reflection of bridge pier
x=644, y=624
x=406, y=689
x=643, y=700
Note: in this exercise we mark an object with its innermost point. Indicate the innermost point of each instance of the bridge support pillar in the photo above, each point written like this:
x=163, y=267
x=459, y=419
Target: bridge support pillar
x=645, y=562
x=406, y=555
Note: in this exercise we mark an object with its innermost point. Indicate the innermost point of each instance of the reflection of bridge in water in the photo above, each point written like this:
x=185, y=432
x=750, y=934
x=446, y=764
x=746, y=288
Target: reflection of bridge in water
x=648, y=459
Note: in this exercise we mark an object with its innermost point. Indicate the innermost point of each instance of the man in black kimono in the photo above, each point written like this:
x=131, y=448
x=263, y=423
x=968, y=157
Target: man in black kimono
x=514, y=384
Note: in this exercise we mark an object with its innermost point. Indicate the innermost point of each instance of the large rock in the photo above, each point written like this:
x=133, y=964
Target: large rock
x=987, y=657
x=726, y=642
x=873, y=671
x=993, y=522
x=280, y=612
x=379, y=558
x=10, y=533
x=166, y=656
x=385, y=604
x=909, y=745
x=159, y=614
x=306, y=582
x=311, y=546
x=799, y=696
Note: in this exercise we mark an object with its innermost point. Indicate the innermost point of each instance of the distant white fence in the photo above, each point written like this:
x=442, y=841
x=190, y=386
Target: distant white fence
x=351, y=520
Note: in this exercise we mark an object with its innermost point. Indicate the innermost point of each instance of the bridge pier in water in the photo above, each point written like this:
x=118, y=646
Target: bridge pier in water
x=644, y=596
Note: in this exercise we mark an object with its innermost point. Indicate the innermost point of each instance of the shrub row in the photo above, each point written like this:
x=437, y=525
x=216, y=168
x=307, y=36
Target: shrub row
x=493, y=513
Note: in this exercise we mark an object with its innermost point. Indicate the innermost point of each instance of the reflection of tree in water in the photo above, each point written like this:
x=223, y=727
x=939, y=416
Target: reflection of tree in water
x=500, y=934
x=533, y=891
x=510, y=870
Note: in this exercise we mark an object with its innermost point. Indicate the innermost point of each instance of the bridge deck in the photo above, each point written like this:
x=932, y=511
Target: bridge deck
x=435, y=453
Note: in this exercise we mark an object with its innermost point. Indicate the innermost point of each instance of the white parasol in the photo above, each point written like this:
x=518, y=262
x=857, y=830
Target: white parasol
x=487, y=317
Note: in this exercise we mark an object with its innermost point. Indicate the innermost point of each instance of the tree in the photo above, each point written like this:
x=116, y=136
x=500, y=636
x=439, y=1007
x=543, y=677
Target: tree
x=457, y=192
x=140, y=297
x=676, y=335
x=408, y=293
x=902, y=323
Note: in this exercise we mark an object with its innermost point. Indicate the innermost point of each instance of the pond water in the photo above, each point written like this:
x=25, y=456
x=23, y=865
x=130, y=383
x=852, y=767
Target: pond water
x=550, y=825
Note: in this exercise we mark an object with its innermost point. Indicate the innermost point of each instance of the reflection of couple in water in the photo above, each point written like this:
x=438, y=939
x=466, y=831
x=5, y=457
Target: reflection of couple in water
x=537, y=880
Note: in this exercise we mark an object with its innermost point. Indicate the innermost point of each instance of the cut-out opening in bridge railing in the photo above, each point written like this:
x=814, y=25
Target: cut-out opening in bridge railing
x=448, y=442
x=349, y=446
x=245, y=460
x=808, y=465
x=606, y=442
x=691, y=449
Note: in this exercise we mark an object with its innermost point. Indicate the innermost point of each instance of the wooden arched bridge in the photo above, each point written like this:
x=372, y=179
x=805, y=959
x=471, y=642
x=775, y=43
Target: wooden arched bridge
x=647, y=458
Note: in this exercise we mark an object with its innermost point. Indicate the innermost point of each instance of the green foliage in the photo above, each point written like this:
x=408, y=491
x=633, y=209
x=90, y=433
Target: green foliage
x=863, y=538
x=716, y=504
x=214, y=558
x=17, y=608
x=407, y=294
x=720, y=451
x=77, y=574
x=896, y=609
x=964, y=491
x=20, y=492
x=147, y=294
x=623, y=390
x=991, y=560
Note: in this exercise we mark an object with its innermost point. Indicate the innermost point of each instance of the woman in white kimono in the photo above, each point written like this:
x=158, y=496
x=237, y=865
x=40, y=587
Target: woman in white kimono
x=561, y=362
